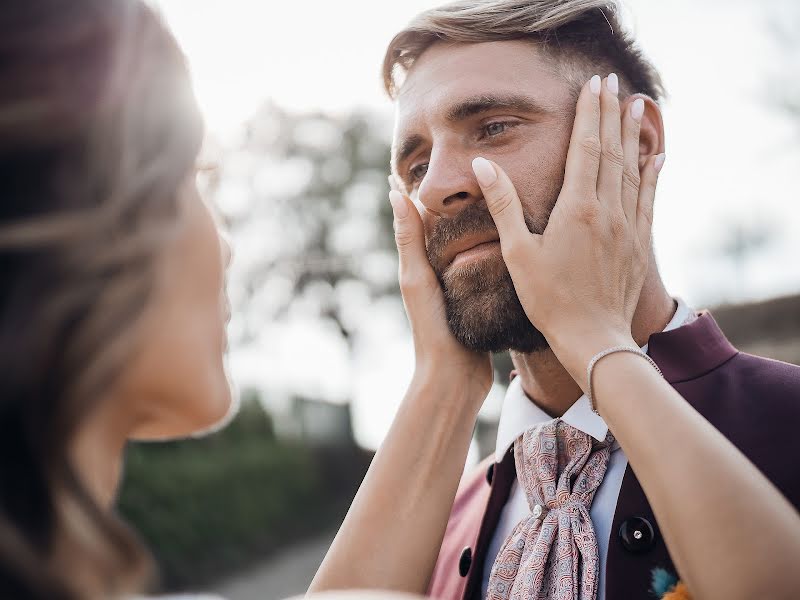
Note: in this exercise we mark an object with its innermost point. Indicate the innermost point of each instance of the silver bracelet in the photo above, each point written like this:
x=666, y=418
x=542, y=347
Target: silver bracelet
x=606, y=352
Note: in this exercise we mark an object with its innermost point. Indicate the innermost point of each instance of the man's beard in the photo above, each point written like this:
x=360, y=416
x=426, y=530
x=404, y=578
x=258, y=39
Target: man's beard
x=483, y=309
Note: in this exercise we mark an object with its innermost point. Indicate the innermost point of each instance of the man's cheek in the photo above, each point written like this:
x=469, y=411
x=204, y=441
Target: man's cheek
x=428, y=222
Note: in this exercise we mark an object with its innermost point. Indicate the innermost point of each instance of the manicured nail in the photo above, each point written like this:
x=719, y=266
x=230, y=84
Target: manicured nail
x=484, y=171
x=659, y=162
x=594, y=84
x=399, y=204
x=613, y=84
x=637, y=109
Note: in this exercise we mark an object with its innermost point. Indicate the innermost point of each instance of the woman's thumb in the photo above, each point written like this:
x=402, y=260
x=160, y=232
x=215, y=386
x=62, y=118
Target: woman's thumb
x=410, y=239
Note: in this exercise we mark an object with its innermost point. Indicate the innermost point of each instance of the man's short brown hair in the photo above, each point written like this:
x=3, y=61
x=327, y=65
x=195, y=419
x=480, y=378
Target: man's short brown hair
x=583, y=37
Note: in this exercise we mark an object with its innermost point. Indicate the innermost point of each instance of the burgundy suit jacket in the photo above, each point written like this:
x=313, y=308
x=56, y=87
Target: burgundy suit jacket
x=753, y=401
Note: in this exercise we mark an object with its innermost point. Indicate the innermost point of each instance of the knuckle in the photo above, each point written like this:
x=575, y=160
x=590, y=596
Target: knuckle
x=612, y=152
x=618, y=226
x=500, y=203
x=403, y=237
x=591, y=145
x=631, y=178
x=588, y=212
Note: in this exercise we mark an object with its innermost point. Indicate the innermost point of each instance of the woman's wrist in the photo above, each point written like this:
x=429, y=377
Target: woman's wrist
x=575, y=349
x=454, y=390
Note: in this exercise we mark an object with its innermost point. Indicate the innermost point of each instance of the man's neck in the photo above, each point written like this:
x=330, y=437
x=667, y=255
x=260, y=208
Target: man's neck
x=544, y=379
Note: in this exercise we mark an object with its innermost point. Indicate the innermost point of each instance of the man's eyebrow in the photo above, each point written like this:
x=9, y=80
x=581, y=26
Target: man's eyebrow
x=476, y=105
x=470, y=107
x=407, y=147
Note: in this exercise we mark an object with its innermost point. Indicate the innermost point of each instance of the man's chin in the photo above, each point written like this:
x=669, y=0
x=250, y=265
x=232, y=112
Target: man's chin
x=485, y=314
x=497, y=337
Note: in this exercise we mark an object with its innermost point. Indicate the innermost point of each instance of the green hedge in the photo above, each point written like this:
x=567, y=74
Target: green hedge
x=207, y=507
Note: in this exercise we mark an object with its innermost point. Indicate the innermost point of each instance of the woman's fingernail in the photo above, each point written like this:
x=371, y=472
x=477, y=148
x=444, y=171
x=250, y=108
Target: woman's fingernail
x=484, y=171
x=594, y=84
x=637, y=109
x=613, y=83
x=659, y=162
x=399, y=204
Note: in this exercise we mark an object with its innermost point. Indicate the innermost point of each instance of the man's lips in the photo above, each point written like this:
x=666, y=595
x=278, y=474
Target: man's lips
x=470, y=245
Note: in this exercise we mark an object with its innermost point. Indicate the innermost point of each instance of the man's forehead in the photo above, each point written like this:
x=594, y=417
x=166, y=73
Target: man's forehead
x=448, y=73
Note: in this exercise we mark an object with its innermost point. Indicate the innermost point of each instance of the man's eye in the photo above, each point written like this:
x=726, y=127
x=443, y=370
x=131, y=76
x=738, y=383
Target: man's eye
x=418, y=172
x=495, y=128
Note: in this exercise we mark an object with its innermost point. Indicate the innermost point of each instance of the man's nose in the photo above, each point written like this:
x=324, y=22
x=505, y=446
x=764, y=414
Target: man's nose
x=449, y=184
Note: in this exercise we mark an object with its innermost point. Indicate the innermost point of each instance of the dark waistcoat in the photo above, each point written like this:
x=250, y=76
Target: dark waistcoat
x=753, y=401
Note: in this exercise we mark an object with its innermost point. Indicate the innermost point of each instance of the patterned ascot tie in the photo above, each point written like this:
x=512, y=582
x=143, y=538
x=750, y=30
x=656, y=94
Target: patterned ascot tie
x=552, y=553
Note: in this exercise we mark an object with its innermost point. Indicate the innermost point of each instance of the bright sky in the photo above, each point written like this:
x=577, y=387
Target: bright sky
x=731, y=157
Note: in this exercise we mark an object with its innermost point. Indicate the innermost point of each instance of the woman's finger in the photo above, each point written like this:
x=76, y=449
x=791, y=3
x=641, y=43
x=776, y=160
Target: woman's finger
x=583, y=156
x=415, y=271
x=631, y=179
x=647, y=195
x=612, y=159
x=504, y=206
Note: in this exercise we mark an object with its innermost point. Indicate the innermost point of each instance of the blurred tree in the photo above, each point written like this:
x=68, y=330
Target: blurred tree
x=744, y=237
x=304, y=197
x=741, y=241
x=783, y=23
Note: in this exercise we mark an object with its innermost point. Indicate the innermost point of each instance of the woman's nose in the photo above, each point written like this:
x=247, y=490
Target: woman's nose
x=226, y=248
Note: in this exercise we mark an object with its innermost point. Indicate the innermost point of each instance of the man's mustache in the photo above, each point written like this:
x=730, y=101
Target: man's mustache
x=474, y=219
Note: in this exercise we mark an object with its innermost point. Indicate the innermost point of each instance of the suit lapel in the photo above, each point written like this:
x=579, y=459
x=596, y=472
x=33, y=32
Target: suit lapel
x=502, y=479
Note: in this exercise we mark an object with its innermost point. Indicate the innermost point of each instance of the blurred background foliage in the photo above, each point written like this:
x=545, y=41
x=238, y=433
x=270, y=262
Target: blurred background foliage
x=209, y=506
x=304, y=197
x=783, y=23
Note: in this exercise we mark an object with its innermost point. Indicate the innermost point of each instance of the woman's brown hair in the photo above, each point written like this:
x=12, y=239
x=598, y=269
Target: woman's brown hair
x=98, y=130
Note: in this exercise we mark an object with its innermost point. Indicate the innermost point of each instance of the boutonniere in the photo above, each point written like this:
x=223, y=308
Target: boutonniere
x=666, y=586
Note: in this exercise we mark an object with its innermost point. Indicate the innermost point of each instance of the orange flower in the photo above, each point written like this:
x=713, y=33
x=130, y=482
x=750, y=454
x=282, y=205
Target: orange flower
x=679, y=592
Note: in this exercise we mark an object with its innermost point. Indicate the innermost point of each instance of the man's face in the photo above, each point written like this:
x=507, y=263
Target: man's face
x=506, y=102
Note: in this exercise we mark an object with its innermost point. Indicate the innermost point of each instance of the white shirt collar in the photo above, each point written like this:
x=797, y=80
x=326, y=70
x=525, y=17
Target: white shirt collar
x=519, y=413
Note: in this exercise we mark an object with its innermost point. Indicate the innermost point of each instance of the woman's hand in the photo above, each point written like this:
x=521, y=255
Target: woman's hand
x=439, y=356
x=409, y=489
x=579, y=281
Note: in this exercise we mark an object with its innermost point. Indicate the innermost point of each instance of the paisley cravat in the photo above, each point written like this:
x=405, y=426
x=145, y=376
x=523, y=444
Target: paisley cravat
x=552, y=553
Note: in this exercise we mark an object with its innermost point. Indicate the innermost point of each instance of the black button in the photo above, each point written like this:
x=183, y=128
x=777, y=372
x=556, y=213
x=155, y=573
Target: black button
x=637, y=535
x=490, y=474
x=465, y=562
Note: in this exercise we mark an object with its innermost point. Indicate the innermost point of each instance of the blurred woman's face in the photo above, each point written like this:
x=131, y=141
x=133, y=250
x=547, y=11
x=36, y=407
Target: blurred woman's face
x=176, y=384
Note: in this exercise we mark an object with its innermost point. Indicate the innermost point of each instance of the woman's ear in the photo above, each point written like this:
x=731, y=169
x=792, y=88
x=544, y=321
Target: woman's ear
x=651, y=135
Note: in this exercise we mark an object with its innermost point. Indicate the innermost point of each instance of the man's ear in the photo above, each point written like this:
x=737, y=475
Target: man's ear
x=651, y=135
